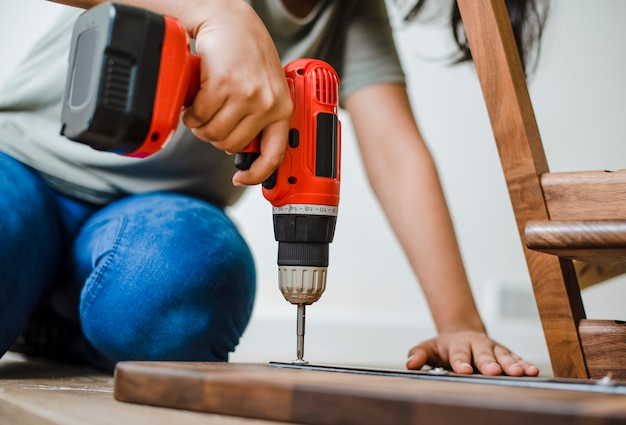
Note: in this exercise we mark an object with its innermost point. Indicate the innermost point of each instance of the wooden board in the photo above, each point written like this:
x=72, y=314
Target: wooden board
x=325, y=397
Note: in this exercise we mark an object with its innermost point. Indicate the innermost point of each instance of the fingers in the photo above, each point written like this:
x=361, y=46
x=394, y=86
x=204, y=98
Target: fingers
x=433, y=354
x=484, y=357
x=229, y=115
x=418, y=356
x=231, y=123
x=243, y=92
x=232, y=128
x=514, y=365
x=272, y=150
x=498, y=359
x=461, y=362
x=464, y=352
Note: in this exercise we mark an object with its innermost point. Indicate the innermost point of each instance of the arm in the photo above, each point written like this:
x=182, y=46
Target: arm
x=243, y=91
x=404, y=178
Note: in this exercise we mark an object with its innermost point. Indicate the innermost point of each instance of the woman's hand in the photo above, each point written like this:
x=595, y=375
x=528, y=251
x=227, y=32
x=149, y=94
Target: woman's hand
x=243, y=90
x=462, y=351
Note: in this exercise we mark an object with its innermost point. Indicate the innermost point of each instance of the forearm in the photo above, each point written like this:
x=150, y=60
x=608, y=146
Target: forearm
x=405, y=180
x=411, y=196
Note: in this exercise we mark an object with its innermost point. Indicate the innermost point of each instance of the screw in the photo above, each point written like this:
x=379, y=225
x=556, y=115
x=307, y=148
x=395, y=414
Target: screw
x=607, y=380
x=438, y=371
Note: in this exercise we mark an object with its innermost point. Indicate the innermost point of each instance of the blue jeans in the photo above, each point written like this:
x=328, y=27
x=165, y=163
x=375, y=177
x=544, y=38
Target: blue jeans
x=158, y=276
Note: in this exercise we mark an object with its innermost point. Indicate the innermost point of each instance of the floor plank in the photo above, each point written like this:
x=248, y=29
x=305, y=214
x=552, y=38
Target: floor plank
x=42, y=393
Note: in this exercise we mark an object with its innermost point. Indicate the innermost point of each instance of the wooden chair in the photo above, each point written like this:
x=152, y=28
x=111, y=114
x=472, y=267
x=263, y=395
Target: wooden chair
x=561, y=217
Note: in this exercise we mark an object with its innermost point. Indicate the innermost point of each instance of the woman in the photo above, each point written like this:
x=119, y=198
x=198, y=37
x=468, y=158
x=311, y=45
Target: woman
x=110, y=269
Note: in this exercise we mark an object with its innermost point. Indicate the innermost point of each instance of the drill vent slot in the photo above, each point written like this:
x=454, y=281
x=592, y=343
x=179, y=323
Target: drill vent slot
x=325, y=86
x=116, y=85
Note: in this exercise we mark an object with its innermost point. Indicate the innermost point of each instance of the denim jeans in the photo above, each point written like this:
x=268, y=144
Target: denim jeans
x=159, y=276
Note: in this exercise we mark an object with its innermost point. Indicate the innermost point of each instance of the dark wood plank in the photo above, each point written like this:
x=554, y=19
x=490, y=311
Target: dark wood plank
x=604, y=343
x=576, y=234
x=601, y=242
x=523, y=161
x=323, y=398
x=585, y=195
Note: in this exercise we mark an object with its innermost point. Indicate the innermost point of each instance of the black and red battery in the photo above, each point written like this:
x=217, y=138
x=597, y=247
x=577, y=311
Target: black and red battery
x=132, y=72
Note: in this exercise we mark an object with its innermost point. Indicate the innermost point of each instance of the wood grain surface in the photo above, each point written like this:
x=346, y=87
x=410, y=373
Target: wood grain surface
x=601, y=242
x=585, y=195
x=601, y=339
x=44, y=393
x=323, y=398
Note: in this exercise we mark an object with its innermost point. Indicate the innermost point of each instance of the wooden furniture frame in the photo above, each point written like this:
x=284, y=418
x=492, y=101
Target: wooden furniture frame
x=560, y=217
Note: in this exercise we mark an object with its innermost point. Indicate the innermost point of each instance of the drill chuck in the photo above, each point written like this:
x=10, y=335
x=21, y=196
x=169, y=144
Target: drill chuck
x=302, y=271
x=304, y=233
x=302, y=284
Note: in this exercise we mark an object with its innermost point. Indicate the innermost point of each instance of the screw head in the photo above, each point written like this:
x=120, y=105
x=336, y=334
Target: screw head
x=438, y=371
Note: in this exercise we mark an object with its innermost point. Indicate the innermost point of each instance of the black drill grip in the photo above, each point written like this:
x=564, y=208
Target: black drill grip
x=244, y=160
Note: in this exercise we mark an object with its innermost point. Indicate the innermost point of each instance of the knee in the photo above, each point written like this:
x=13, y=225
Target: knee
x=182, y=290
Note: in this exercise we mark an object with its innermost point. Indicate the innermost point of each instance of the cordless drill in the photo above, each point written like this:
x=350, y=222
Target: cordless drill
x=131, y=72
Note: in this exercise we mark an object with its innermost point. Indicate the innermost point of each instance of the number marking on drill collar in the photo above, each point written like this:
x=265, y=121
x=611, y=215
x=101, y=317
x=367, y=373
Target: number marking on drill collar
x=309, y=209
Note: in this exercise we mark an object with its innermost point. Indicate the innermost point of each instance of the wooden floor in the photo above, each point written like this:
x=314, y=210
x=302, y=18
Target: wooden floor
x=39, y=393
x=45, y=393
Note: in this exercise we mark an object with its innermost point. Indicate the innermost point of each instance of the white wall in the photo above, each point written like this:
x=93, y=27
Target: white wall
x=374, y=311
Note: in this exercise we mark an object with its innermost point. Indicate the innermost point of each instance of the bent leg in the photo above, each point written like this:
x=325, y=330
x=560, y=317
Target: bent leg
x=30, y=246
x=166, y=277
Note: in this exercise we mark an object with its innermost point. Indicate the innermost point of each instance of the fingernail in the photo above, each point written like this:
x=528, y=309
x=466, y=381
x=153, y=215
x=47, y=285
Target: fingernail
x=409, y=362
x=465, y=364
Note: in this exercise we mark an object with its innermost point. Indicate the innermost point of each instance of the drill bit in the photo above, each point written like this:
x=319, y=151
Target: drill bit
x=300, y=333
